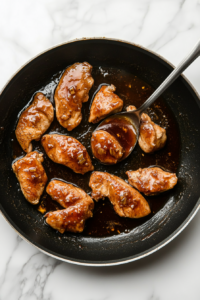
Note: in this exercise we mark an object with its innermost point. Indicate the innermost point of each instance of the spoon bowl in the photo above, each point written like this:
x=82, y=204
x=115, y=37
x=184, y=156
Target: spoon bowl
x=125, y=128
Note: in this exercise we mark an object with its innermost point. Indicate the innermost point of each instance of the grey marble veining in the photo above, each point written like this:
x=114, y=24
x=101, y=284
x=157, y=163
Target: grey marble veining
x=165, y=26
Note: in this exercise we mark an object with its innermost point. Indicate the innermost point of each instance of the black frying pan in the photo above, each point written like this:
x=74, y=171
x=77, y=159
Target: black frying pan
x=181, y=206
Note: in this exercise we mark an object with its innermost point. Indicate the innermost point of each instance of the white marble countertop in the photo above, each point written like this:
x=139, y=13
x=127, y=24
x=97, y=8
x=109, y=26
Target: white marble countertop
x=167, y=27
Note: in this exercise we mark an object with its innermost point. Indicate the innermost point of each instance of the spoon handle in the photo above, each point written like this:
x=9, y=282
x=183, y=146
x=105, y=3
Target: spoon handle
x=172, y=77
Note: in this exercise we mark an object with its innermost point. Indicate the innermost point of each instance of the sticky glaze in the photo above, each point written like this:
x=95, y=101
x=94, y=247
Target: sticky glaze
x=152, y=181
x=34, y=121
x=133, y=91
x=124, y=132
x=31, y=176
x=105, y=147
x=127, y=201
x=71, y=92
x=105, y=102
x=68, y=151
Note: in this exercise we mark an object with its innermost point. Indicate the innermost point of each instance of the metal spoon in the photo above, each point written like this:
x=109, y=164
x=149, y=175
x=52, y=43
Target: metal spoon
x=133, y=117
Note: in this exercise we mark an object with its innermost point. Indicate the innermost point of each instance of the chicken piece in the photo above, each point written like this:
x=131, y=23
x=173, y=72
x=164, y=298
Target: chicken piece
x=67, y=151
x=152, y=181
x=126, y=200
x=152, y=137
x=66, y=194
x=78, y=207
x=71, y=92
x=105, y=147
x=131, y=107
x=72, y=218
x=34, y=121
x=31, y=176
x=105, y=103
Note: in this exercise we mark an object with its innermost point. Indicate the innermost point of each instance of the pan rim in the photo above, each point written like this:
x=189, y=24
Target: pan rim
x=97, y=38
x=121, y=262
x=161, y=244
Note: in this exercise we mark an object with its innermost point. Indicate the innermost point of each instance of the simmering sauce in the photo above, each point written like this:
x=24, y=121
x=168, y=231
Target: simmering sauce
x=133, y=91
x=124, y=132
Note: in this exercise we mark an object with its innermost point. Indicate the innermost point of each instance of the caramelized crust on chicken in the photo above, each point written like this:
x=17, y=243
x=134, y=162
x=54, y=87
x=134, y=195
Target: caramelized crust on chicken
x=126, y=200
x=34, y=121
x=105, y=103
x=152, y=137
x=67, y=151
x=152, y=181
x=78, y=207
x=70, y=219
x=71, y=92
x=66, y=194
x=105, y=147
x=31, y=175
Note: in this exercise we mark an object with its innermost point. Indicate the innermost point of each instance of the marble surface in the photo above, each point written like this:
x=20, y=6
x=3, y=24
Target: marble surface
x=167, y=27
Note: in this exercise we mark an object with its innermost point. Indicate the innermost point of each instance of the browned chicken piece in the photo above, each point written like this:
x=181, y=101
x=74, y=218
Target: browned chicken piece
x=67, y=194
x=34, y=121
x=78, y=207
x=71, y=92
x=152, y=137
x=31, y=176
x=105, y=147
x=152, y=181
x=131, y=107
x=67, y=151
x=105, y=103
x=126, y=200
x=72, y=218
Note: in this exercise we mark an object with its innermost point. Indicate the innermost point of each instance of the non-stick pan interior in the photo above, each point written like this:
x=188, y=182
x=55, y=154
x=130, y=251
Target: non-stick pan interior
x=184, y=104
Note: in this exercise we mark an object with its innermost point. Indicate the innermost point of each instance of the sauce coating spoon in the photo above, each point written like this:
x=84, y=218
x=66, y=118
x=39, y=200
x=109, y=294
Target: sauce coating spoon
x=125, y=126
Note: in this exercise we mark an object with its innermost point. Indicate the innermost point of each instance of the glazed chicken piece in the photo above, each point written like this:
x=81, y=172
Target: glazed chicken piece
x=152, y=181
x=78, y=207
x=105, y=103
x=152, y=137
x=34, y=121
x=66, y=194
x=105, y=147
x=31, y=175
x=70, y=219
x=126, y=200
x=71, y=92
x=67, y=151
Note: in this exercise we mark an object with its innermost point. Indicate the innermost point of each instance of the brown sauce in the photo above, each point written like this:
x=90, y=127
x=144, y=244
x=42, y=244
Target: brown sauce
x=124, y=132
x=133, y=91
